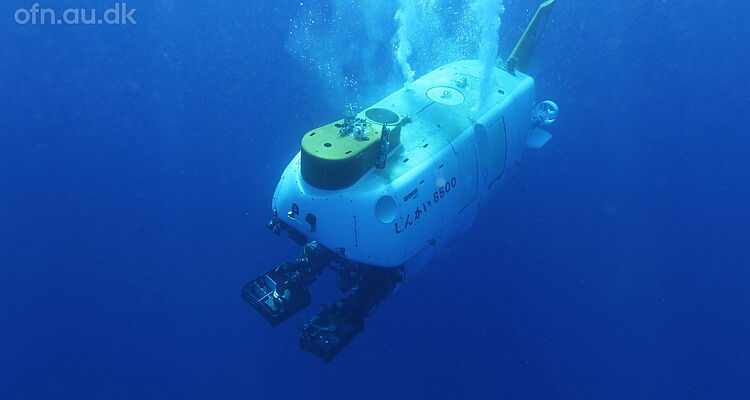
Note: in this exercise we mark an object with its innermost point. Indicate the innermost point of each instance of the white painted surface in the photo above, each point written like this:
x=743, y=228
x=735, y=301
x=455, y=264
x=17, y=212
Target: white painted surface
x=444, y=155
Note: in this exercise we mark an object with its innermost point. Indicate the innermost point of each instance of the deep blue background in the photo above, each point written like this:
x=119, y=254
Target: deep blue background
x=137, y=165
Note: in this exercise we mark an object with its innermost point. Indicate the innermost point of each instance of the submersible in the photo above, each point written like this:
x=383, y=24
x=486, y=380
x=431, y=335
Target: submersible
x=371, y=196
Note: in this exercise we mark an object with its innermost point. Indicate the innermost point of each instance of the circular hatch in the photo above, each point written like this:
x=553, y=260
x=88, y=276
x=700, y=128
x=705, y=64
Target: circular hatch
x=446, y=95
x=382, y=116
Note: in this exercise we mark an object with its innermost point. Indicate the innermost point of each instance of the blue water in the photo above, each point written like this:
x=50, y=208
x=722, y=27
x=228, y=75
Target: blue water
x=137, y=164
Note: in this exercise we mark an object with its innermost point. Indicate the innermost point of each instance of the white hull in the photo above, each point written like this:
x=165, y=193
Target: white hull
x=447, y=166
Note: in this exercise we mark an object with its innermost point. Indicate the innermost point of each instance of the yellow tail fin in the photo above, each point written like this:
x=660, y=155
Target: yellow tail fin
x=521, y=56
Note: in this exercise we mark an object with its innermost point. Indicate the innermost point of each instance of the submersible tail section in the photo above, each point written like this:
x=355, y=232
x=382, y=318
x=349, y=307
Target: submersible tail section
x=372, y=195
x=523, y=52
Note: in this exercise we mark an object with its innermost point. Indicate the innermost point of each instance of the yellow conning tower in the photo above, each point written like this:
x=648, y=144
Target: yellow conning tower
x=336, y=155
